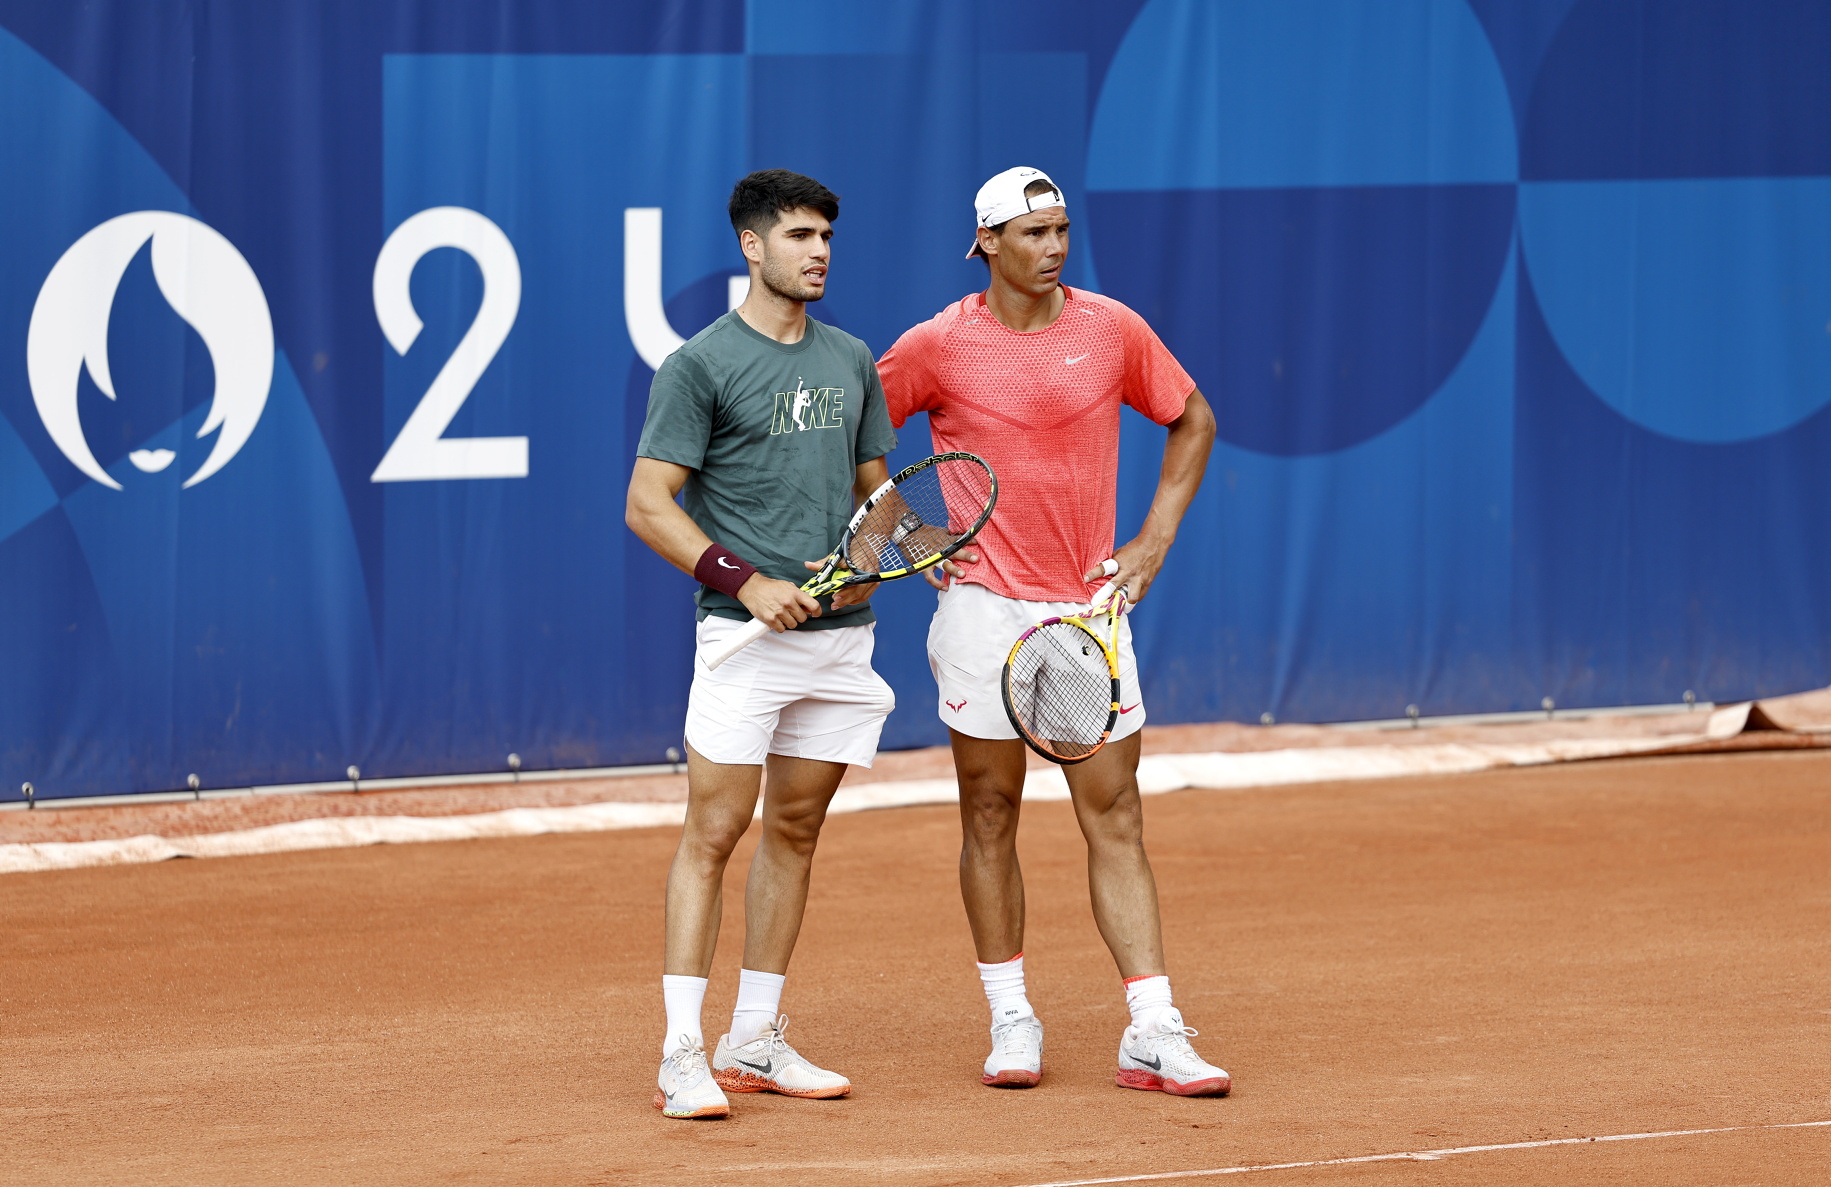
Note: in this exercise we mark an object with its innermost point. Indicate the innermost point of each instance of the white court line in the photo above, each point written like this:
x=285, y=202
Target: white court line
x=1421, y=1155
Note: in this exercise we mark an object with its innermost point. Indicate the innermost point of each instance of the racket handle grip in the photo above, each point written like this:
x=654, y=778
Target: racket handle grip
x=1106, y=591
x=741, y=638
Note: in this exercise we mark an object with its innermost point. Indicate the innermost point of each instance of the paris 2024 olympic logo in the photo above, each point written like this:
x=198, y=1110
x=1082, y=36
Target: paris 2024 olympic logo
x=206, y=282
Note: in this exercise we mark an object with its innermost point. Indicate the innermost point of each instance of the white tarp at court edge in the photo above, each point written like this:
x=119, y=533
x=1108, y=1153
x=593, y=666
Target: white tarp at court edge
x=1156, y=774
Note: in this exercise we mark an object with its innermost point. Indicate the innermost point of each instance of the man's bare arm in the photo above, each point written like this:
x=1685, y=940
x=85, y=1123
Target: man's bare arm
x=659, y=522
x=870, y=476
x=1185, y=460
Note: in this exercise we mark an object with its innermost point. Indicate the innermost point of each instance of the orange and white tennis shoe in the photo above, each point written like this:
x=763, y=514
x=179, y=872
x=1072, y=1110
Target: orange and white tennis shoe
x=685, y=1088
x=1160, y=1059
x=1016, y=1060
x=768, y=1064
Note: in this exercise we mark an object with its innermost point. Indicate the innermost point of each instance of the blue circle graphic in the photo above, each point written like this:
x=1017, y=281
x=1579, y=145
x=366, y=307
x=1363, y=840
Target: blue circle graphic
x=1699, y=309
x=1332, y=190
x=1676, y=213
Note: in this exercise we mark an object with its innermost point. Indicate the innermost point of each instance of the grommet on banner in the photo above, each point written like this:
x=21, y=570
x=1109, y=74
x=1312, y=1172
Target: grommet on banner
x=1690, y=700
x=355, y=778
x=515, y=766
x=674, y=758
x=1550, y=706
x=1266, y=718
x=29, y=792
x=1411, y=711
x=195, y=784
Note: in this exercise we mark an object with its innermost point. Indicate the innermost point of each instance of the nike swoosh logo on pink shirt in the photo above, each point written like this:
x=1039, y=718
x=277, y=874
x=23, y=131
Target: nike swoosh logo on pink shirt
x=1071, y=362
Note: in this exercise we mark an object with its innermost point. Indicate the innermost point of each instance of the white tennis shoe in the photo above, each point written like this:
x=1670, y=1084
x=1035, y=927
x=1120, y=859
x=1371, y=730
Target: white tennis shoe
x=1160, y=1059
x=768, y=1064
x=685, y=1088
x=1016, y=1060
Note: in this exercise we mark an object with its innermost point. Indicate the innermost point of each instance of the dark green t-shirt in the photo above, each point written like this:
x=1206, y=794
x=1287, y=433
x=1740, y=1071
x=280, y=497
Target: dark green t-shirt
x=774, y=434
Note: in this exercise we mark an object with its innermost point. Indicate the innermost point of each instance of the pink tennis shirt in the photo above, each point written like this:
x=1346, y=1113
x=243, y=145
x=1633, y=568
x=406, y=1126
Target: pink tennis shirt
x=1043, y=410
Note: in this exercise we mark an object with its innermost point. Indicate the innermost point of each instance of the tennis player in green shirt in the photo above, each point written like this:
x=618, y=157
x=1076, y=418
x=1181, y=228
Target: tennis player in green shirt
x=771, y=425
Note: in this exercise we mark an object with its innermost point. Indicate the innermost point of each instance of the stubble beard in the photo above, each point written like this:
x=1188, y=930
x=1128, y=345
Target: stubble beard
x=786, y=282
x=1029, y=282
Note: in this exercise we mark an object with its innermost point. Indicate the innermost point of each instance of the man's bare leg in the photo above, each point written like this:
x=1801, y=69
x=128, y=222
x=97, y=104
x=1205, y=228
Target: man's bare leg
x=1154, y=1052
x=720, y=800
x=795, y=800
x=991, y=775
x=752, y=1057
x=1105, y=792
x=721, y=797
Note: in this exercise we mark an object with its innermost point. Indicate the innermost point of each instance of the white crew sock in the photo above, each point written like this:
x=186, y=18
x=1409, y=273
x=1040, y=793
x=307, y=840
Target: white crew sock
x=1004, y=989
x=683, y=997
x=758, y=996
x=1148, y=998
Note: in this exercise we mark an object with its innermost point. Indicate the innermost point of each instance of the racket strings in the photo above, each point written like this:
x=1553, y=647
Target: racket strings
x=1060, y=690
x=924, y=515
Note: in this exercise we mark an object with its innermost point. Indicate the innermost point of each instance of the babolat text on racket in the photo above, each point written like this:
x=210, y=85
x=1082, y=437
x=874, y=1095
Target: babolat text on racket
x=1061, y=680
x=923, y=515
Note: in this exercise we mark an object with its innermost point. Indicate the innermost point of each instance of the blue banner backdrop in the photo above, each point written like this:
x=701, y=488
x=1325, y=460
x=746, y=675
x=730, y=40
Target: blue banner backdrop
x=326, y=328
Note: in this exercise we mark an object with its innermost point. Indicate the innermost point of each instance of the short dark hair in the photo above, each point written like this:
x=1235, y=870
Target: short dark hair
x=759, y=200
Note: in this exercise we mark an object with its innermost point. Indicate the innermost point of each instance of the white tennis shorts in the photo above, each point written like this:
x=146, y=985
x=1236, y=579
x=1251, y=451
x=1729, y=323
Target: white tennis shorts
x=969, y=640
x=801, y=694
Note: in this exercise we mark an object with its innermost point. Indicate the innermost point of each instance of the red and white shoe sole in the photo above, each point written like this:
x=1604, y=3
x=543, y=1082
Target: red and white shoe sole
x=732, y=1081
x=661, y=1102
x=1152, y=1082
x=1012, y=1078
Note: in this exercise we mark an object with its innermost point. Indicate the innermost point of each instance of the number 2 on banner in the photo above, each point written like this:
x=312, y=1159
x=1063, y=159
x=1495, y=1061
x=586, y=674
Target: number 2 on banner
x=421, y=451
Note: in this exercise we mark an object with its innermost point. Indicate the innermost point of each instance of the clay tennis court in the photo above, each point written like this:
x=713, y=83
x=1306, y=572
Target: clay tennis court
x=1580, y=950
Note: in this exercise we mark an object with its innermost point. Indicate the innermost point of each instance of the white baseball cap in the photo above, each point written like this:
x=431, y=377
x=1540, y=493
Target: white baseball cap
x=1002, y=199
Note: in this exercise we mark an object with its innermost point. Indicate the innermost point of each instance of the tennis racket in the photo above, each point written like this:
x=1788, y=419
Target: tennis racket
x=1061, y=680
x=923, y=515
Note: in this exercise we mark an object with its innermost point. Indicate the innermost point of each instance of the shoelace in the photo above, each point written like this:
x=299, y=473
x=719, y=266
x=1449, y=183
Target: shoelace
x=1163, y=1028
x=1174, y=1033
x=1178, y=1037
x=1005, y=1033
x=775, y=1043
x=686, y=1056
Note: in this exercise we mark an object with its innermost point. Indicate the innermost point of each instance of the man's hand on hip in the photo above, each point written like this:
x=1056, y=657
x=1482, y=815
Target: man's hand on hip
x=1140, y=560
x=943, y=574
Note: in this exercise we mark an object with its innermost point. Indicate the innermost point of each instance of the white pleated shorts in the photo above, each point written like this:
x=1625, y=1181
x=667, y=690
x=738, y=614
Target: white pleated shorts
x=971, y=636
x=801, y=694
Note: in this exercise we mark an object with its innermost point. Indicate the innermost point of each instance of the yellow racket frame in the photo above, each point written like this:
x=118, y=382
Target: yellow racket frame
x=1110, y=603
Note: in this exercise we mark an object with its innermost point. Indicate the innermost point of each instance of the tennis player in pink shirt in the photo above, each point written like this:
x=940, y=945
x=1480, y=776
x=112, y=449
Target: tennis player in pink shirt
x=1030, y=375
